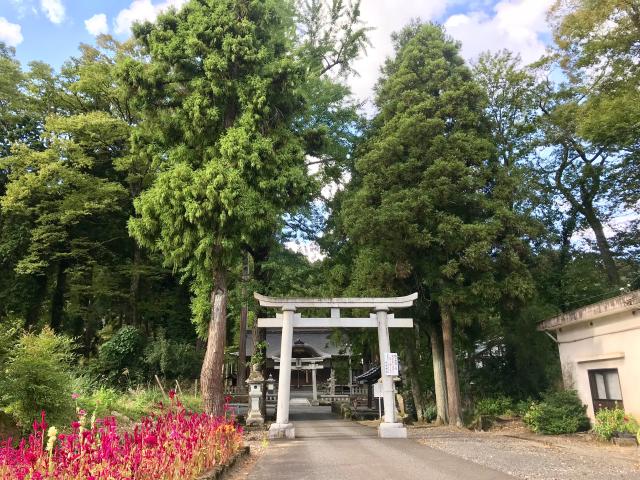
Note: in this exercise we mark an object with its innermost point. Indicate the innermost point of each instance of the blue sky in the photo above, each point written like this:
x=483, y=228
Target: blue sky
x=51, y=30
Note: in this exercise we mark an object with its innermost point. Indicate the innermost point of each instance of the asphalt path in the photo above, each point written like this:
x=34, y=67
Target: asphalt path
x=329, y=448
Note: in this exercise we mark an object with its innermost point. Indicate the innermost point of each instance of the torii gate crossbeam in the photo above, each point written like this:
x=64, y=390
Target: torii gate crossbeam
x=380, y=319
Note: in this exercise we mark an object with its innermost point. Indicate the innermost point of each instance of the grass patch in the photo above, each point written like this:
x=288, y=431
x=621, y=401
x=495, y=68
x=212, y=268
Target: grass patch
x=133, y=404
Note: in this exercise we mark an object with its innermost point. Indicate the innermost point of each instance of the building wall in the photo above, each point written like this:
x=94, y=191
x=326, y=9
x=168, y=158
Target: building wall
x=602, y=343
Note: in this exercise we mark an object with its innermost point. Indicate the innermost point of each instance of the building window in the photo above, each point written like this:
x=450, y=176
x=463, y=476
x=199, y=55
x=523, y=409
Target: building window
x=605, y=389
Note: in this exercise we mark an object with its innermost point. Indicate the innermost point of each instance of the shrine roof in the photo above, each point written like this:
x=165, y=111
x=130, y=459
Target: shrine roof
x=320, y=341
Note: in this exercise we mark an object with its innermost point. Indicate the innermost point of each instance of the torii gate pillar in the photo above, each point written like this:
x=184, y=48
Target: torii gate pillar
x=283, y=428
x=389, y=428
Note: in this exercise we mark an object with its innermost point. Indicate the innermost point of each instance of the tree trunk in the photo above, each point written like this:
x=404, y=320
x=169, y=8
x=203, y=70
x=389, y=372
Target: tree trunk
x=451, y=370
x=39, y=294
x=603, y=245
x=134, y=285
x=211, y=380
x=244, y=312
x=439, y=376
x=412, y=373
x=57, y=300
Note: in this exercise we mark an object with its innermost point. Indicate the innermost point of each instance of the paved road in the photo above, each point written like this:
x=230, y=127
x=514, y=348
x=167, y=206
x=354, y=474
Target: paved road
x=328, y=448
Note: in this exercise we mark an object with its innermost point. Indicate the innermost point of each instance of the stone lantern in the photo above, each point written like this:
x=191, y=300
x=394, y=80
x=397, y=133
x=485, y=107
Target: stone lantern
x=271, y=385
x=255, y=383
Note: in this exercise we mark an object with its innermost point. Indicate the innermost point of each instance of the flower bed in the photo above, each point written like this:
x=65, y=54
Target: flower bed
x=174, y=444
x=615, y=423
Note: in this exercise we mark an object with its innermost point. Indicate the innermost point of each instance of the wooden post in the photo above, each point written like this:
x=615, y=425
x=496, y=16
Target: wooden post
x=161, y=387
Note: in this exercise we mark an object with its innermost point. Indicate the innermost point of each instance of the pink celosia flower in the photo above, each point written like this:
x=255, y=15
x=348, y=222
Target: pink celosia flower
x=31, y=457
x=151, y=440
x=172, y=444
x=75, y=396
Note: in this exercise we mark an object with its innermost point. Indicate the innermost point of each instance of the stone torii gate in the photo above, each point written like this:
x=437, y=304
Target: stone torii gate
x=380, y=319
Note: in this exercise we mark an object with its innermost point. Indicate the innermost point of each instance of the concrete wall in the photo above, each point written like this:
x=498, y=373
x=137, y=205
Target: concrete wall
x=607, y=342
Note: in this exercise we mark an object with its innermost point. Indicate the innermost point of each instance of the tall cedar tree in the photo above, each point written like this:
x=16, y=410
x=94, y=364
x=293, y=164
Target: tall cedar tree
x=221, y=88
x=430, y=201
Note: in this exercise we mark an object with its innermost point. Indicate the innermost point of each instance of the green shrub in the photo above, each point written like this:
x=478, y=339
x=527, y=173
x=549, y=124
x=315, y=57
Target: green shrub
x=139, y=402
x=612, y=421
x=430, y=412
x=9, y=335
x=102, y=401
x=521, y=407
x=38, y=377
x=559, y=412
x=494, y=406
x=120, y=357
x=172, y=359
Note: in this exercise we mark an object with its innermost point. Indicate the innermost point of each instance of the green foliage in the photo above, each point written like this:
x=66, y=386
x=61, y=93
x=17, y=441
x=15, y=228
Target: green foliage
x=611, y=421
x=231, y=164
x=172, y=359
x=590, y=34
x=494, y=407
x=558, y=413
x=120, y=358
x=341, y=368
x=37, y=377
x=132, y=404
x=436, y=227
x=258, y=356
x=102, y=401
x=10, y=330
x=521, y=407
x=430, y=412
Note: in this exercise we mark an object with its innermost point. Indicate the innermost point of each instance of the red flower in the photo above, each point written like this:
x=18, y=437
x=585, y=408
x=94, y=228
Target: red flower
x=151, y=440
x=31, y=457
x=75, y=424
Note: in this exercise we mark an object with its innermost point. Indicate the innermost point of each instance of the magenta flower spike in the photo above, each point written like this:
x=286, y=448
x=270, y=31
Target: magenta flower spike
x=173, y=444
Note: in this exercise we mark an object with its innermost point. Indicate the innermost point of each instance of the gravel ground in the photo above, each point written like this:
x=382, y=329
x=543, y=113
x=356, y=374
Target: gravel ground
x=528, y=456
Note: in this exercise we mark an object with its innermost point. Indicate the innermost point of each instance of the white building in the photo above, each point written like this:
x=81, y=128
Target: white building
x=600, y=352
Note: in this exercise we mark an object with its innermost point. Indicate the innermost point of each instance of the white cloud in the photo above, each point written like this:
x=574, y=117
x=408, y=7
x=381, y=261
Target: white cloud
x=53, y=9
x=10, y=33
x=309, y=249
x=140, y=11
x=97, y=24
x=22, y=8
x=517, y=25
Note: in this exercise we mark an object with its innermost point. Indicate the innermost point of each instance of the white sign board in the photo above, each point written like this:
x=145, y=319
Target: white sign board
x=377, y=390
x=391, y=364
